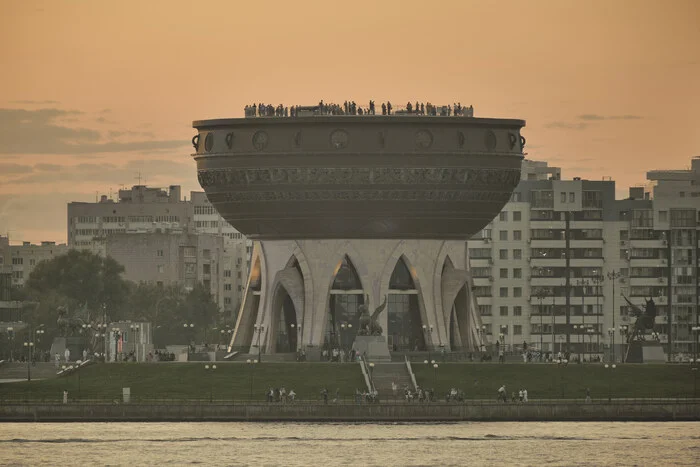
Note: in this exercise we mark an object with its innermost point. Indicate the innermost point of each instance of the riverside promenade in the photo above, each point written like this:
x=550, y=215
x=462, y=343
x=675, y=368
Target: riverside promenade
x=616, y=410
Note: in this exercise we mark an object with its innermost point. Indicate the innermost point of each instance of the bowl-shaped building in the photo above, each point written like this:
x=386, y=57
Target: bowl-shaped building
x=361, y=177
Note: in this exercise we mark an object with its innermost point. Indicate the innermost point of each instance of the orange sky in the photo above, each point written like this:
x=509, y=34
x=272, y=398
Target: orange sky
x=92, y=93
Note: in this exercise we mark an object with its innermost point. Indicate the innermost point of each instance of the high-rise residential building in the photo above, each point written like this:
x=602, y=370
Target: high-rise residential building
x=105, y=226
x=555, y=267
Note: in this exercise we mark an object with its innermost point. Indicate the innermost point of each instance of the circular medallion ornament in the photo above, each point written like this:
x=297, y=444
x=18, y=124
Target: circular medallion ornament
x=424, y=139
x=260, y=140
x=339, y=139
x=490, y=140
x=209, y=142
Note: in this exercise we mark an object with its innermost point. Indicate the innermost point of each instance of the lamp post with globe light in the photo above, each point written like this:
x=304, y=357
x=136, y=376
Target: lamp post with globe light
x=210, y=368
x=135, y=330
x=252, y=364
x=189, y=329
x=611, y=367
x=29, y=345
x=259, y=328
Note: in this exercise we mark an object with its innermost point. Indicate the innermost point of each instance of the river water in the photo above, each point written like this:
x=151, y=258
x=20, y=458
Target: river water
x=329, y=444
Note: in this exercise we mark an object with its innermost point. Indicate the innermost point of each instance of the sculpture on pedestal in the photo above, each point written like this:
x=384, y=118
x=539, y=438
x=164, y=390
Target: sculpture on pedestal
x=368, y=324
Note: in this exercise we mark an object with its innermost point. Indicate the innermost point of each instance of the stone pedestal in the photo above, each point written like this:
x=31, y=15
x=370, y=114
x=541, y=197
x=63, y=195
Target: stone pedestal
x=374, y=348
x=646, y=352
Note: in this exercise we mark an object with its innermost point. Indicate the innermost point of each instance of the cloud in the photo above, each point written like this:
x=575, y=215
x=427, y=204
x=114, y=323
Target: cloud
x=12, y=169
x=567, y=125
x=105, y=172
x=36, y=132
x=596, y=117
x=26, y=102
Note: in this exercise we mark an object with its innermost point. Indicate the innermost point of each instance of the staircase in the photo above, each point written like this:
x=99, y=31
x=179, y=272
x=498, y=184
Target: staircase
x=18, y=371
x=383, y=375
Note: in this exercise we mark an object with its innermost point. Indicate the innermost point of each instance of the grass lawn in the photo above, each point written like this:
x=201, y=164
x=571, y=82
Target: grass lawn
x=190, y=381
x=549, y=381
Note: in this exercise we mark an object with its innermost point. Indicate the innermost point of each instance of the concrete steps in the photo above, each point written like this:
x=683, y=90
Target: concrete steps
x=386, y=373
x=16, y=370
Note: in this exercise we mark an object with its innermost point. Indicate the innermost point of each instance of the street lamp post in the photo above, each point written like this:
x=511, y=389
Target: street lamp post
x=190, y=336
x=578, y=339
x=435, y=368
x=597, y=280
x=583, y=283
x=590, y=331
x=29, y=345
x=135, y=330
x=613, y=276
x=225, y=335
x=502, y=346
x=612, y=367
x=259, y=328
x=624, y=333
x=428, y=331
x=10, y=340
x=211, y=368
x=252, y=364
x=541, y=294
x=611, y=338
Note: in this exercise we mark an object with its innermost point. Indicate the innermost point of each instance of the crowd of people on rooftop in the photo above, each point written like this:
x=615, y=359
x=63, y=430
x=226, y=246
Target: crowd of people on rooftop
x=352, y=108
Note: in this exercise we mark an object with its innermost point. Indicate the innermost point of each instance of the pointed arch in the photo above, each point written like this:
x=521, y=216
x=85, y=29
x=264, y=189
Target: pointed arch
x=283, y=324
x=345, y=276
x=345, y=296
x=405, y=310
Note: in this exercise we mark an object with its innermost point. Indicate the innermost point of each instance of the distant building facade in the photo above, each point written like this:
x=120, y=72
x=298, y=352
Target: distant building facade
x=27, y=256
x=105, y=227
x=537, y=266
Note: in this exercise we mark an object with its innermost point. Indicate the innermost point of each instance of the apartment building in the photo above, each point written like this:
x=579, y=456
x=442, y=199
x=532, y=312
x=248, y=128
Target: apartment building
x=554, y=268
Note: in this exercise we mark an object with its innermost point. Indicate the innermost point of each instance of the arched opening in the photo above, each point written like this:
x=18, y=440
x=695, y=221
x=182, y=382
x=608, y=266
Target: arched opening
x=459, y=321
x=404, y=324
x=285, y=322
x=346, y=296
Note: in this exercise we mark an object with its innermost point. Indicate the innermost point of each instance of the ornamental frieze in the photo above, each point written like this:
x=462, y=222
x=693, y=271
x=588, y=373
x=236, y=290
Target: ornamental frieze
x=359, y=195
x=358, y=176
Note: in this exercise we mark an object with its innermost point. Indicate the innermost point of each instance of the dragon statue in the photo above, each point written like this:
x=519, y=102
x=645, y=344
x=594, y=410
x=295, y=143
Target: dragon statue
x=645, y=320
x=368, y=323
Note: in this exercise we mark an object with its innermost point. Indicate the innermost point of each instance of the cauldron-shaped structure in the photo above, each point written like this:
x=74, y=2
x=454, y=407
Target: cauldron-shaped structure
x=359, y=177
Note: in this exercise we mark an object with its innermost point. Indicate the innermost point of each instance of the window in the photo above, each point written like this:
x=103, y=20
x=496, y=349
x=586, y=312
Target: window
x=516, y=197
x=503, y=235
x=503, y=273
x=503, y=254
x=485, y=310
x=517, y=291
x=503, y=292
x=227, y=287
x=206, y=268
x=503, y=216
x=227, y=300
x=517, y=253
x=517, y=329
x=17, y=274
x=32, y=262
x=517, y=311
x=517, y=216
x=161, y=268
x=189, y=252
x=517, y=273
x=160, y=253
x=517, y=235
x=572, y=197
x=503, y=311
x=562, y=195
x=206, y=254
x=227, y=273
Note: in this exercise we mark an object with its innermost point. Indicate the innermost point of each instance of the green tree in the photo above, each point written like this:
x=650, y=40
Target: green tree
x=78, y=279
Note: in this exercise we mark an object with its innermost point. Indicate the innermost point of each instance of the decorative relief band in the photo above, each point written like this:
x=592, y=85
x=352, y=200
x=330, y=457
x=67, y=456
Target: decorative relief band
x=358, y=176
x=359, y=195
